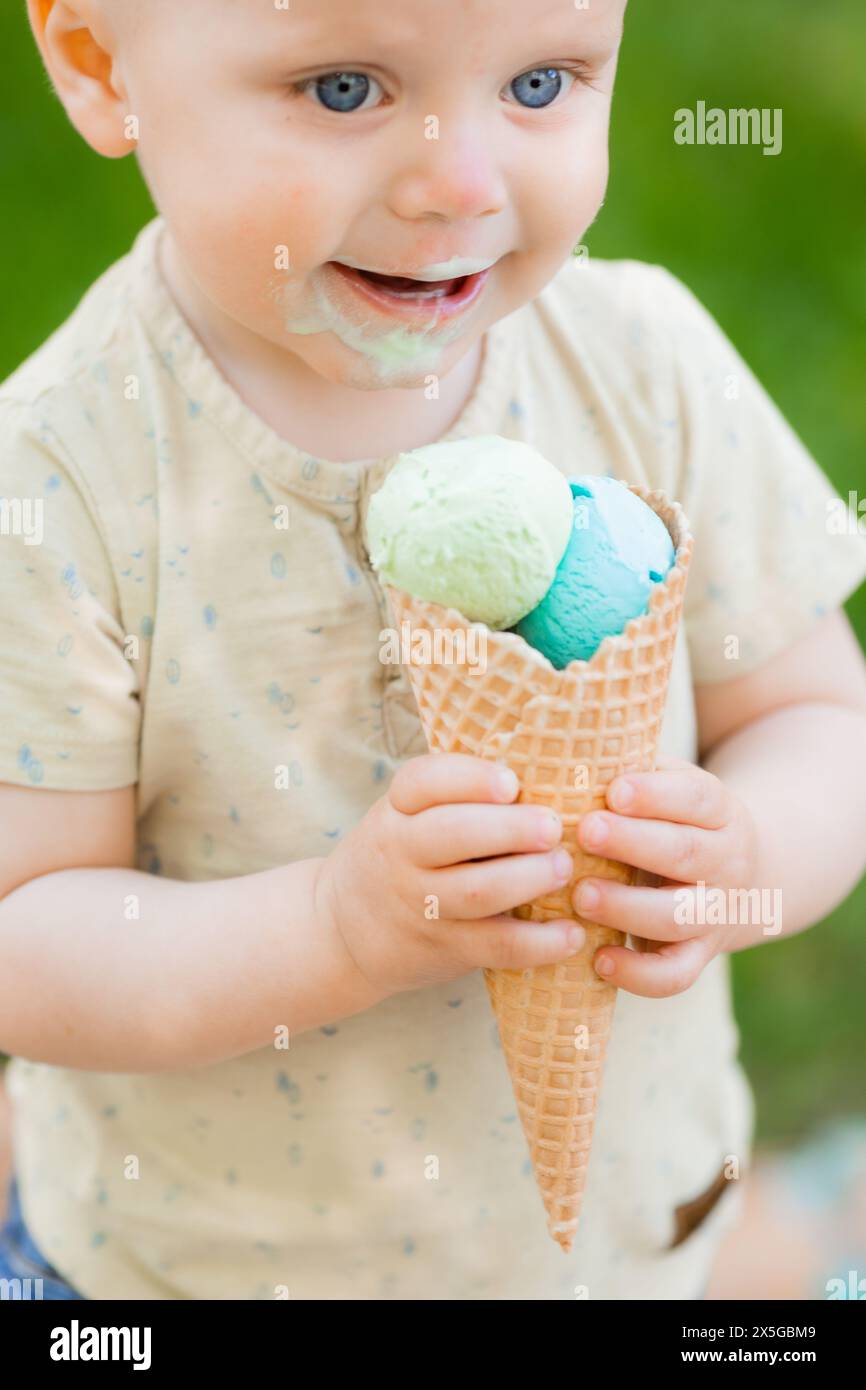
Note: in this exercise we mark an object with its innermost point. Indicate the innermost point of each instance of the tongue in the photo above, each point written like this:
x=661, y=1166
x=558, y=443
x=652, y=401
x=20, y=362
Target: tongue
x=403, y=283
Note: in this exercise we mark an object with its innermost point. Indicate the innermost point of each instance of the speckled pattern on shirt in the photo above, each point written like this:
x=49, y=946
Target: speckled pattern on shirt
x=379, y=1157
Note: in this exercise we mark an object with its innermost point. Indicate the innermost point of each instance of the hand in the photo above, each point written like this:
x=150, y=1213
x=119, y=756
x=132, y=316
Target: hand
x=683, y=826
x=404, y=897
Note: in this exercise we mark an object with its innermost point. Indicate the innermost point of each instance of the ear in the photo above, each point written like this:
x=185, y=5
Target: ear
x=79, y=53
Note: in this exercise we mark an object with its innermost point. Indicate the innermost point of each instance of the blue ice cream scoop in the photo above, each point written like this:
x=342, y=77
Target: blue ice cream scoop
x=618, y=549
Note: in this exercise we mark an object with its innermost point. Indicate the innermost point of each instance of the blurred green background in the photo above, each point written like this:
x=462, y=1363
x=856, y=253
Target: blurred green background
x=774, y=247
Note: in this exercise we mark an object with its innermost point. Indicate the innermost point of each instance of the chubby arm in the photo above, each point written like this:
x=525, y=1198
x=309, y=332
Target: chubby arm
x=778, y=804
x=790, y=741
x=106, y=968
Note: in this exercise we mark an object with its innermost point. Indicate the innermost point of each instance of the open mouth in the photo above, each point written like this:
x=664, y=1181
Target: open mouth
x=402, y=293
x=402, y=287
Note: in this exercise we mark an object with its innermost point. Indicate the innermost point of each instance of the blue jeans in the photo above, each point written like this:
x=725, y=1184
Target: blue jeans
x=22, y=1260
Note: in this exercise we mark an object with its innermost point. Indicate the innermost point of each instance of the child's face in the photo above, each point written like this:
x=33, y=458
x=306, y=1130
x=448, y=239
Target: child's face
x=438, y=145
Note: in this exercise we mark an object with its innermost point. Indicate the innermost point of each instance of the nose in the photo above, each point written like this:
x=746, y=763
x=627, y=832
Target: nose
x=452, y=176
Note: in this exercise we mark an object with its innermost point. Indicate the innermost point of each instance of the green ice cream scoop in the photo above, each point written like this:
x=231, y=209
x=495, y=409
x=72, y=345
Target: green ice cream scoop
x=479, y=525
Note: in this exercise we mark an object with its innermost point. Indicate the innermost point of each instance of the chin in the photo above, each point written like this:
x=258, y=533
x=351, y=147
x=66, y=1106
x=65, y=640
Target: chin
x=344, y=367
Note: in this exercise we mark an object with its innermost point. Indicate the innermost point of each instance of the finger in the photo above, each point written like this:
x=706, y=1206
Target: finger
x=436, y=778
x=690, y=796
x=509, y=943
x=492, y=886
x=655, y=973
x=682, y=852
x=454, y=833
x=666, y=761
x=641, y=911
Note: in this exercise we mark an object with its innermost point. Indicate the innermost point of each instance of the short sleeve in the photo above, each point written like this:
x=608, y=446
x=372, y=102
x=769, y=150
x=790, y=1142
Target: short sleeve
x=775, y=549
x=68, y=694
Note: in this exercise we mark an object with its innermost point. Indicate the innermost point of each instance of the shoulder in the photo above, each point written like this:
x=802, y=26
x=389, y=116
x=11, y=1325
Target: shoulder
x=617, y=306
x=599, y=354
x=615, y=283
x=76, y=353
x=631, y=336
x=619, y=359
x=73, y=402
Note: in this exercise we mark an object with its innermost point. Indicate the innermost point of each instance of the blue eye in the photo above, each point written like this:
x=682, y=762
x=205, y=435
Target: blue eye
x=538, y=87
x=342, y=91
x=347, y=92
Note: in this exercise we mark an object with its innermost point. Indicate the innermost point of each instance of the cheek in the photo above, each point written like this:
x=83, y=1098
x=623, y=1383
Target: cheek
x=239, y=200
x=595, y=169
x=242, y=236
x=567, y=194
x=257, y=230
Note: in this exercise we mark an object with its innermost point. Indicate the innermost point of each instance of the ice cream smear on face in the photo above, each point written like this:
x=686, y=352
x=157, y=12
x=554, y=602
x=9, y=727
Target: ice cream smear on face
x=400, y=324
x=488, y=526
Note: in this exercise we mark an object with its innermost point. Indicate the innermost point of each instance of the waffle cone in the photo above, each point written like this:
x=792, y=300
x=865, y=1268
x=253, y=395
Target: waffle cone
x=566, y=734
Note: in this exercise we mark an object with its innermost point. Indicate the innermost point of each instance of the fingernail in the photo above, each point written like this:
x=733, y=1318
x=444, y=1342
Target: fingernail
x=623, y=794
x=575, y=938
x=604, y=966
x=551, y=829
x=594, y=832
x=587, y=897
x=562, y=865
x=507, y=784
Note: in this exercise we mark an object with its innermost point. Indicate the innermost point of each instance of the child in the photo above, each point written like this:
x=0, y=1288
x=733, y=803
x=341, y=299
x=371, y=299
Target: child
x=246, y=1064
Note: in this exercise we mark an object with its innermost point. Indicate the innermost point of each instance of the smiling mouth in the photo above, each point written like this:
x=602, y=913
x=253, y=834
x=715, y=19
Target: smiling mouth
x=415, y=301
x=403, y=287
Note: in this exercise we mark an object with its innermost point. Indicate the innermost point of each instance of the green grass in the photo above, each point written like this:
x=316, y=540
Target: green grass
x=773, y=247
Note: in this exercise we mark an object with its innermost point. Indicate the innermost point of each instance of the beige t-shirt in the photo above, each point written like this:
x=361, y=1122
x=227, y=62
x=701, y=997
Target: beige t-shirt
x=258, y=648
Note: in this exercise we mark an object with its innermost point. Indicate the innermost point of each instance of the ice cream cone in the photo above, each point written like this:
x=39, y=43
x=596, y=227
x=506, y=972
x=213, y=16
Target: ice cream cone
x=566, y=734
